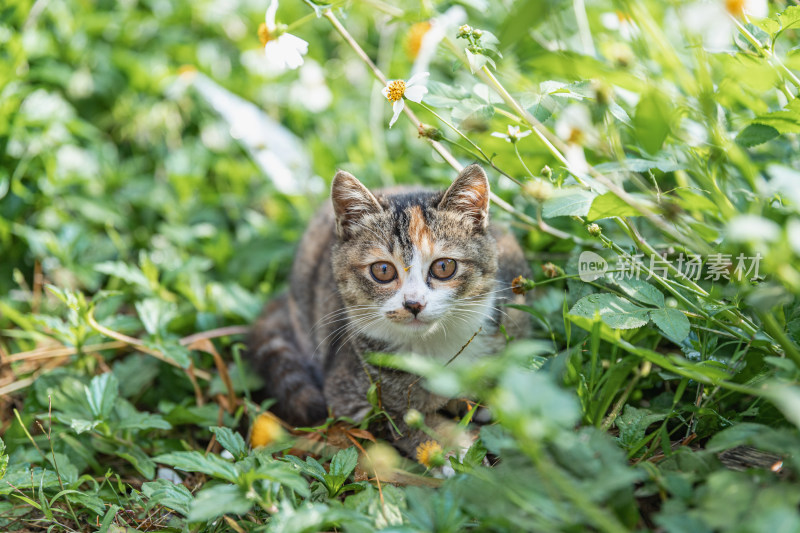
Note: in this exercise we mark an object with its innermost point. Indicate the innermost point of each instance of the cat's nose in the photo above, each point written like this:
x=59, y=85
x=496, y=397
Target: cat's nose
x=414, y=307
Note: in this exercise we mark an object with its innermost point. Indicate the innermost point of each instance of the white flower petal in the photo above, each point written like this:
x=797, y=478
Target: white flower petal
x=269, y=16
x=398, y=108
x=296, y=42
x=416, y=78
x=524, y=134
x=416, y=93
x=499, y=135
x=385, y=92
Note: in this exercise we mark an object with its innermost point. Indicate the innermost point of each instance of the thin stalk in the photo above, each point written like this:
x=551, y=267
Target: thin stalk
x=766, y=53
x=516, y=151
x=789, y=348
x=437, y=146
x=620, y=402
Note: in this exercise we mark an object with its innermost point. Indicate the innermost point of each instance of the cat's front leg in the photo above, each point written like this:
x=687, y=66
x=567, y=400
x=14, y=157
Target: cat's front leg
x=346, y=386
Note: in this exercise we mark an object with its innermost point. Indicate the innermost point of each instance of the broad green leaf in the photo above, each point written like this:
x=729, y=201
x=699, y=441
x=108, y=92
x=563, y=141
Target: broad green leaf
x=279, y=472
x=633, y=423
x=142, y=421
x=101, y=394
x=671, y=322
x=22, y=476
x=789, y=18
x=616, y=312
x=172, y=350
x=3, y=459
x=217, y=501
x=652, y=120
x=125, y=272
x=231, y=441
x=640, y=290
x=386, y=507
x=310, y=467
x=138, y=458
x=193, y=461
x=572, y=201
x=755, y=134
x=171, y=495
x=156, y=314
x=610, y=205
x=344, y=462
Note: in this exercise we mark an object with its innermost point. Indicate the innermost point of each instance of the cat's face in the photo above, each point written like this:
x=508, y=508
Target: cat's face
x=416, y=263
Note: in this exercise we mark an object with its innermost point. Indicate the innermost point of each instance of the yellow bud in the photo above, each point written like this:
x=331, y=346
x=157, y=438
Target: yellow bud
x=266, y=430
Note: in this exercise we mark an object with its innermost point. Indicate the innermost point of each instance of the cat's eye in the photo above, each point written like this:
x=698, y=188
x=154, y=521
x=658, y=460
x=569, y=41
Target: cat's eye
x=443, y=269
x=383, y=272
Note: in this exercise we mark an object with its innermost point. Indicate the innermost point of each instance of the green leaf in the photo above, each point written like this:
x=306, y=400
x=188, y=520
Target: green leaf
x=138, y=458
x=755, y=134
x=610, y=205
x=672, y=323
x=652, y=120
x=344, y=462
x=633, y=423
x=231, y=441
x=171, y=495
x=217, y=501
x=640, y=290
x=172, y=350
x=193, y=461
x=310, y=467
x=614, y=311
x=125, y=272
x=571, y=201
x=788, y=18
x=156, y=314
x=3, y=459
x=142, y=421
x=101, y=394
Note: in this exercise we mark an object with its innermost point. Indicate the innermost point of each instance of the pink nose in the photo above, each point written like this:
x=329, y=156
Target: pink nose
x=414, y=307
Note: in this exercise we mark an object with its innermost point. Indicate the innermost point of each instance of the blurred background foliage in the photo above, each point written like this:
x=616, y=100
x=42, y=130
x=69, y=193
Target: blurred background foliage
x=156, y=173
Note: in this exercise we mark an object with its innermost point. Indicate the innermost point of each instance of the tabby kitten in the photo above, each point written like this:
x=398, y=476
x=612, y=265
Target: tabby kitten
x=402, y=271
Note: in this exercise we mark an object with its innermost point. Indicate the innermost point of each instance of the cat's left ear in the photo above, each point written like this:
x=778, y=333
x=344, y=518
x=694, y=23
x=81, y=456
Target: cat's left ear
x=351, y=201
x=469, y=195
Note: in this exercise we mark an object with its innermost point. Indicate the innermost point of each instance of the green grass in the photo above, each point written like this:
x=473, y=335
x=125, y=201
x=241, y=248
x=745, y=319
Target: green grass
x=140, y=234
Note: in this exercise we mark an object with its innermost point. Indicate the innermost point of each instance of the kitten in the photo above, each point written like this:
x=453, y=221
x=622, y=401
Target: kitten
x=403, y=271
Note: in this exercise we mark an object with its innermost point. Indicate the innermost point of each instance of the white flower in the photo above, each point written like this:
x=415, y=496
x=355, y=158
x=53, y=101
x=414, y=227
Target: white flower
x=713, y=21
x=396, y=90
x=310, y=90
x=425, y=40
x=620, y=22
x=283, y=50
x=513, y=134
x=574, y=126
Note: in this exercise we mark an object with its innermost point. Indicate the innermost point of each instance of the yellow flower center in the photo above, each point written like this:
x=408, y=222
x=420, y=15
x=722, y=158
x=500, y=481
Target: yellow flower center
x=263, y=34
x=429, y=454
x=575, y=136
x=735, y=7
x=397, y=89
x=415, y=36
x=266, y=430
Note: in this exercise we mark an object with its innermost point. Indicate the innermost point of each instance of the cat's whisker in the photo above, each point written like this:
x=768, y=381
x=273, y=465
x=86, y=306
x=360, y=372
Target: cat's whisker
x=341, y=311
x=342, y=330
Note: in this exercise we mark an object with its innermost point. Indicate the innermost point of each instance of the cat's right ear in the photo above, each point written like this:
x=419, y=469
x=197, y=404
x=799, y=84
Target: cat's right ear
x=351, y=201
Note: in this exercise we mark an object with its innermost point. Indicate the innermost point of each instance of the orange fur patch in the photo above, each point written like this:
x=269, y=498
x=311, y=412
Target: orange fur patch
x=419, y=231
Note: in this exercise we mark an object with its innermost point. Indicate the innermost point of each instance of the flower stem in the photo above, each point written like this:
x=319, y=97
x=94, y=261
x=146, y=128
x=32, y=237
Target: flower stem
x=516, y=151
x=440, y=149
